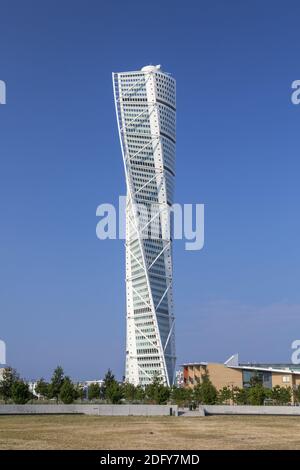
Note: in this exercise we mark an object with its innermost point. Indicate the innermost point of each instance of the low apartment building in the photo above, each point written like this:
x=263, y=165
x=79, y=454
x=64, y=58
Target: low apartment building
x=233, y=374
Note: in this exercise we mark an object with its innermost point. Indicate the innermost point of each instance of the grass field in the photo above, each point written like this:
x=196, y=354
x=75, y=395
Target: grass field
x=91, y=432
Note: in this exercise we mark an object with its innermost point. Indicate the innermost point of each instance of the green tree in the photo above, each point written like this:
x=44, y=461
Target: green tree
x=205, y=392
x=257, y=395
x=79, y=392
x=43, y=388
x=94, y=391
x=181, y=396
x=9, y=377
x=139, y=393
x=114, y=392
x=129, y=391
x=224, y=395
x=111, y=390
x=132, y=393
x=56, y=383
x=281, y=395
x=286, y=395
x=67, y=392
x=157, y=392
x=20, y=393
x=239, y=396
x=109, y=379
x=297, y=394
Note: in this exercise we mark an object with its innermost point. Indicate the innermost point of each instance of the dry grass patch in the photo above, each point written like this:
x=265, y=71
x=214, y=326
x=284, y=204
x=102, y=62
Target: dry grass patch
x=112, y=432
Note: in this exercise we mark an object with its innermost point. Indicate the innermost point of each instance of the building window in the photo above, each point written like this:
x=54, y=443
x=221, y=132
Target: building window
x=253, y=377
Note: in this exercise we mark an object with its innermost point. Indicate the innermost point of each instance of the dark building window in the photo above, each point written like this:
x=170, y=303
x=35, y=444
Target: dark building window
x=252, y=377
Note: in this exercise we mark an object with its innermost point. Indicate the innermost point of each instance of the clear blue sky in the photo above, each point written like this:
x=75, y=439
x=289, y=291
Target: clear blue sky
x=62, y=291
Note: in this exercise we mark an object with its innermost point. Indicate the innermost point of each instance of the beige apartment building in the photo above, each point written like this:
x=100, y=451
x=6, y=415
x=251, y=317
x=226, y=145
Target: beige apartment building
x=233, y=374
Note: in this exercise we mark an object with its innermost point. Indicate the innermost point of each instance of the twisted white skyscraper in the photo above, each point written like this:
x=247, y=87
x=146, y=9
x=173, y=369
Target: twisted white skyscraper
x=146, y=114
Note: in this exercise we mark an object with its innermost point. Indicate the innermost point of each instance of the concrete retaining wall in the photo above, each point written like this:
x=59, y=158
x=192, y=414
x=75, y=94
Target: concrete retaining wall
x=147, y=410
x=98, y=410
x=249, y=410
